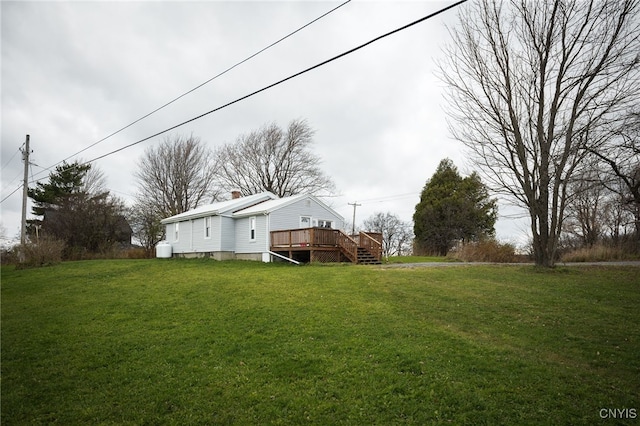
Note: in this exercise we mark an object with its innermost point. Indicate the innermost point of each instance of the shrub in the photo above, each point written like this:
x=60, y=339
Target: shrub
x=9, y=255
x=596, y=253
x=45, y=252
x=139, y=253
x=107, y=251
x=485, y=251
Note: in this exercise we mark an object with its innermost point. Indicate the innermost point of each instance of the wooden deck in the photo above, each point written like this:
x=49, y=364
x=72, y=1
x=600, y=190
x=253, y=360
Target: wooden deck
x=327, y=245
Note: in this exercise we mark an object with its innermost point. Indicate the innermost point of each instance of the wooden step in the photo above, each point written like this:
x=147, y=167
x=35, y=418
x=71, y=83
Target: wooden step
x=366, y=258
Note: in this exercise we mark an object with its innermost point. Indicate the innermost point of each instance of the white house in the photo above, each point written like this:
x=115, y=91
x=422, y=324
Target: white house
x=241, y=228
x=208, y=230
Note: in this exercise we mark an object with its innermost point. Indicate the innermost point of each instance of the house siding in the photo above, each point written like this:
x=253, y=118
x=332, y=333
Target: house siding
x=244, y=243
x=216, y=234
x=197, y=235
x=288, y=217
x=227, y=233
x=191, y=238
x=183, y=244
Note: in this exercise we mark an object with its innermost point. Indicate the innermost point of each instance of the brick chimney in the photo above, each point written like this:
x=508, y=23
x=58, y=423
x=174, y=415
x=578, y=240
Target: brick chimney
x=235, y=195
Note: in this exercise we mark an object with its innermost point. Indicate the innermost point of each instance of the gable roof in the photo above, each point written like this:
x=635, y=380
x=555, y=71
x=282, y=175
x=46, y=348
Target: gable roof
x=221, y=208
x=276, y=204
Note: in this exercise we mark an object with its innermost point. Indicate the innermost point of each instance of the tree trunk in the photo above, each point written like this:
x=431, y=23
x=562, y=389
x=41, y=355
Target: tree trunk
x=533, y=87
x=543, y=247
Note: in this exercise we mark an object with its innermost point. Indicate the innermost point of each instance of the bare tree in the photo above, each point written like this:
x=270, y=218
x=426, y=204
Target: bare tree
x=145, y=224
x=176, y=176
x=94, y=182
x=396, y=234
x=620, y=155
x=533, y=86
x=275, y=160
x=585, y=212
x=619, y=219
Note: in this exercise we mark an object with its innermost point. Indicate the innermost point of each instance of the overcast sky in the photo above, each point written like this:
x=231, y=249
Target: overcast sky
x=74, y=72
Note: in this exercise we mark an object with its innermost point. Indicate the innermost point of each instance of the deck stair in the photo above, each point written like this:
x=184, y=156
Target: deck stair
x=327, y=245
x=366, y=258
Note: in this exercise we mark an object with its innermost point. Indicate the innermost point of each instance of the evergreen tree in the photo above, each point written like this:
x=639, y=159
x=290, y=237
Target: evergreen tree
x=67, y=179
x=452, y=209
x=86, y=220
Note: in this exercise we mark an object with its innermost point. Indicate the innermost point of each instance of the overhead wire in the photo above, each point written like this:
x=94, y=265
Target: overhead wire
x=201, y=84
x=22, y=184
x=17, y=176
x=390, y=197
x=325, y=62
x=277, y=83
x=12, y=192
x=20, y=173
x=12, y=157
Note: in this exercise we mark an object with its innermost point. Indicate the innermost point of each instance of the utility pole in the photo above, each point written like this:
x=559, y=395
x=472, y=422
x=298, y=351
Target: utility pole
x=25, y=157
x=353, y=224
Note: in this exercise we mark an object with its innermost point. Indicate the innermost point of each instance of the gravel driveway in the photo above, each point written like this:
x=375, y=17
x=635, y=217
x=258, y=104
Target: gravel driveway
x=635, y=263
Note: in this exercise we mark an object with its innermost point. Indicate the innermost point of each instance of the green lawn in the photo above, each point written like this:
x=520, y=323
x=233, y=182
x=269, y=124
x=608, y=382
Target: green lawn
x=418, y=259
x=204, y=342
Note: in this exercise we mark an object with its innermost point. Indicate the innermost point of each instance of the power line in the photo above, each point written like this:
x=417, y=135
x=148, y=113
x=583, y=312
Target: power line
x=25, y=154
x=201, y=84
x=16, y=177
x=390, y=197
x=353, y=224
x=341, y=55
x=12, y=157
x=12, y=192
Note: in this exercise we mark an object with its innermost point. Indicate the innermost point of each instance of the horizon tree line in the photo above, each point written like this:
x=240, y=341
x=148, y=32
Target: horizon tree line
x=544, y=96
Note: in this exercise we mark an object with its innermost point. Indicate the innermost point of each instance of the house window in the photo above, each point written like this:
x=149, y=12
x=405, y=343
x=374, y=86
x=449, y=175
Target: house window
x=207, y=227
x=252, y=222
x=305, y=222
x=176, y=230
x=325, y=224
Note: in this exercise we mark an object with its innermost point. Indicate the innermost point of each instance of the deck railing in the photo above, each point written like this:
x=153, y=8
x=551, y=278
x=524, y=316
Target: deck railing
x=348, y=245
x=291, y=238
x=327, y=237
x=372, y=242
x=304, y=237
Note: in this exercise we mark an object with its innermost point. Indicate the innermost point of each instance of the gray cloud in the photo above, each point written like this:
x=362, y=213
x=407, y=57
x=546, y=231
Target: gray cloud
x=73, y=72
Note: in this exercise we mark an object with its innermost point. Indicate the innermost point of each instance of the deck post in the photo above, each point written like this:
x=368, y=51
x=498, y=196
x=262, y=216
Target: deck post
x=290, y=245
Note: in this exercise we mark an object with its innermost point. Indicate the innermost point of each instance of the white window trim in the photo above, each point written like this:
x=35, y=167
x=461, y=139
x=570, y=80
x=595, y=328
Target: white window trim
x=252, y=228
x=322, y=222
x=207, y=219
x=310, y=222
x=176, y=231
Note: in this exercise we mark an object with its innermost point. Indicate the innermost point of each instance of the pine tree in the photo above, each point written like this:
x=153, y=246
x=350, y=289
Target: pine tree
x=66, y=180
x=452, y=209
x=85, y=218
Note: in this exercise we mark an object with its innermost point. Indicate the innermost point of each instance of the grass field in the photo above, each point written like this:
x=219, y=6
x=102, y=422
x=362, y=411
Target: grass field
x=418, y=259
x=204, y=342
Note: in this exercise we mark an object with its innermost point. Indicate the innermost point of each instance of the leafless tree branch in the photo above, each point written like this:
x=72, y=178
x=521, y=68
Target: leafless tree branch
x=533, y=87
x=275, y=160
